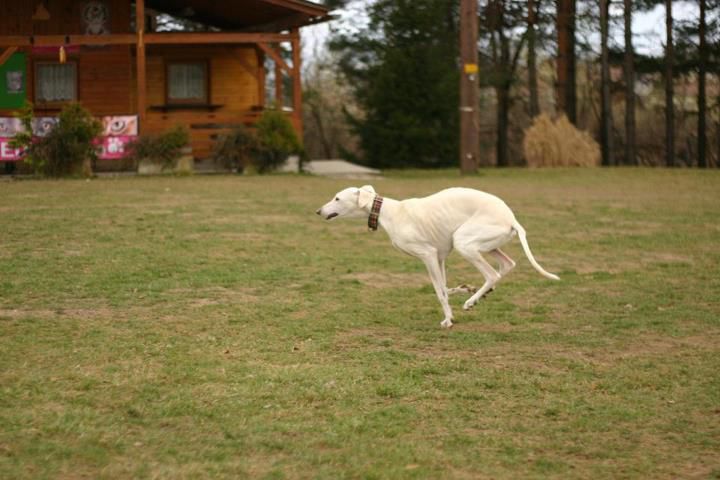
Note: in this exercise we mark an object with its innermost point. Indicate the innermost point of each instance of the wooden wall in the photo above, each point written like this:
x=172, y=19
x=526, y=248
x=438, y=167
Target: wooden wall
x=106, y=75
x=234, y=87
x=104, y=80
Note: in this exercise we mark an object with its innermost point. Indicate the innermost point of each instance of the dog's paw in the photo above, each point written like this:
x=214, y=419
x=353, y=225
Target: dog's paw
x=462, y=289
x=447, y=323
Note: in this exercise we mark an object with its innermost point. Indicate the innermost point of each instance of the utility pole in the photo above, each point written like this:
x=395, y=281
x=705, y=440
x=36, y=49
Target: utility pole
x=469, y=115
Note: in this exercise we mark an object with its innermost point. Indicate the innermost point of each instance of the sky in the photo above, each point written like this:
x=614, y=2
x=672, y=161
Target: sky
x=648, y=27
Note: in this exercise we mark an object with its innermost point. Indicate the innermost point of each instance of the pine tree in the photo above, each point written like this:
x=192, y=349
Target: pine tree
x=403, y=71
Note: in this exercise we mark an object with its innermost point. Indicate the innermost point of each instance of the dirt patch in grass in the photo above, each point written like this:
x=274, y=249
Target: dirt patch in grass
x=389, y=280
x=202, y=297
x=398, y=339
x=653, y=345
x=48, y=314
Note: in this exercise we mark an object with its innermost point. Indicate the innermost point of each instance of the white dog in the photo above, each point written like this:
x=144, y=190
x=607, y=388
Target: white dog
x=471, y=221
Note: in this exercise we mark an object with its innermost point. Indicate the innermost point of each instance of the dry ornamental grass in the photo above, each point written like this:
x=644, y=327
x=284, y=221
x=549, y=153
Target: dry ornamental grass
x=558, y=143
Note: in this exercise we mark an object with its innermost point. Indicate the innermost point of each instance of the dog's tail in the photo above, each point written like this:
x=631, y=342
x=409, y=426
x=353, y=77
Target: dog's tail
x=523, y=239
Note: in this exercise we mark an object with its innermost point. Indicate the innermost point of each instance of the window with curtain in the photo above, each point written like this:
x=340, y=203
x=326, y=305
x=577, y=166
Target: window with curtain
x=55, y=82
x=187, y=82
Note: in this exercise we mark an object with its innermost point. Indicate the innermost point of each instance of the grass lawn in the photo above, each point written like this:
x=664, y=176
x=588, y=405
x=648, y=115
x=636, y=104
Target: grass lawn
x=215, y=327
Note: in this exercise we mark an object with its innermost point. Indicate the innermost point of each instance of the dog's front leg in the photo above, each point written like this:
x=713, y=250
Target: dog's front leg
x=438, y=280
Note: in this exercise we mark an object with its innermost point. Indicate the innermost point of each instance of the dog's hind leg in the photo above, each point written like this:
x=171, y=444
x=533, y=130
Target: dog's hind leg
x=506, y=263
x=470, y=241
x=462, y=289
x=491, y=277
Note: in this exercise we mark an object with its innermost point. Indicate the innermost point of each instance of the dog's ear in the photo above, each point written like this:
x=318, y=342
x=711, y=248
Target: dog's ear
x=366, y=195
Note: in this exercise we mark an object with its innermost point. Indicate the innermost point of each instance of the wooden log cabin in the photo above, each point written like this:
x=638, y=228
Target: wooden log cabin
x=145, y=66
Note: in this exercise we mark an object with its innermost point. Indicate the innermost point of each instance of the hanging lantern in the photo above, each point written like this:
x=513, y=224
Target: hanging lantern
x=63, y=55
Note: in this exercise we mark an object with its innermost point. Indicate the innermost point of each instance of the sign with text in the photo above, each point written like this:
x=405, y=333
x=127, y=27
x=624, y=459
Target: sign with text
x=7, y=153
x=118, y=133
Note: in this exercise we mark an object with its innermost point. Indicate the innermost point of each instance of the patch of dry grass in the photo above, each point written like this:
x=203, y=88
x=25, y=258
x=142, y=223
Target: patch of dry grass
x=559, y=143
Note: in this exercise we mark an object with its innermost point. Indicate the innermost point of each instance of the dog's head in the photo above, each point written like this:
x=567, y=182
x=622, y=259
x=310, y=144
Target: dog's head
x=351, y=202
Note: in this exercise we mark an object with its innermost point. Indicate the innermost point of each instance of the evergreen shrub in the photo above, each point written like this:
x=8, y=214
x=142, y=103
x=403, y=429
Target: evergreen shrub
x=67, y=149
x=266, y=147
x=163, y=149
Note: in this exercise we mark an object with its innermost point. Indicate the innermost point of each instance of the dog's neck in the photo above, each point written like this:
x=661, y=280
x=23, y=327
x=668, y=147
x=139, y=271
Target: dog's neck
x=375, y=213
x=386, y=212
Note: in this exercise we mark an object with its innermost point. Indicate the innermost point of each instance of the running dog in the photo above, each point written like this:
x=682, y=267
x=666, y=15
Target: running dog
x=470, y=221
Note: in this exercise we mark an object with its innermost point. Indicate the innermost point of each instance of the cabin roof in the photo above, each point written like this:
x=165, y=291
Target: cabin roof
x=245, y=15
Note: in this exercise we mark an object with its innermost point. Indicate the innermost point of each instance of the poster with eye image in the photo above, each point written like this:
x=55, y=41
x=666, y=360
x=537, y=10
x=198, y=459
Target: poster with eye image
x=41, y=126
x=119, y=131
x=120, y=125
x=13, y=81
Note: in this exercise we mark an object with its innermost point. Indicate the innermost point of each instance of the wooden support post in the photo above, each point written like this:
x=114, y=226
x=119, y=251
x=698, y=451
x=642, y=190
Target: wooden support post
x=279, y=96
x=297, y=82
x=280, y=66
x=275, y=55
x=6, y=55
x=261, y=76
x=141, y=63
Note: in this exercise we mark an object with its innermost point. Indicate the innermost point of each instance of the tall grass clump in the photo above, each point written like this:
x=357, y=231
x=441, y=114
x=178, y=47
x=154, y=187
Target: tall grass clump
x=558, y=143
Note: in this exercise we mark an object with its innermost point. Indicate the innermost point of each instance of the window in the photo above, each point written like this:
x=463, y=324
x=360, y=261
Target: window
x=187, y=83
x=55, y=82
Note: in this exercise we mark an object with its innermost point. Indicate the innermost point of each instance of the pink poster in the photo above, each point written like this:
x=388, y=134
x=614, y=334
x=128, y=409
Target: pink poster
x=118, y=132
x=113, y=148
x=7, y=153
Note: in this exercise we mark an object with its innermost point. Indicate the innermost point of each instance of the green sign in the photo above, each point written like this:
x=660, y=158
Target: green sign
x=13, y=82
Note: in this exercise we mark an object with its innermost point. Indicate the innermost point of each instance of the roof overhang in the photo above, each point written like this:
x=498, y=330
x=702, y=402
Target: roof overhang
x=245, y=15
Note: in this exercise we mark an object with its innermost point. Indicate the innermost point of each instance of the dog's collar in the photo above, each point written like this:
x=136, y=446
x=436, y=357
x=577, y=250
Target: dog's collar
x=375, y=213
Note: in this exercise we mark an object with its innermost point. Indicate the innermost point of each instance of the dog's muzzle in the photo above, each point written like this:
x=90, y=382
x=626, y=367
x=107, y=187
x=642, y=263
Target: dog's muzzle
x=332, y=215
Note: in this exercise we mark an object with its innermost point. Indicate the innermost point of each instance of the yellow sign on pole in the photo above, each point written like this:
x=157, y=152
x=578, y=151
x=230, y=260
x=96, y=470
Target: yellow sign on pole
x=471, y=68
